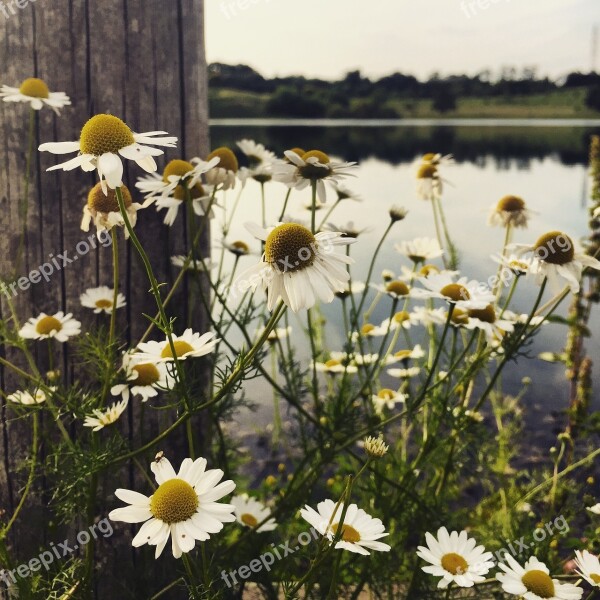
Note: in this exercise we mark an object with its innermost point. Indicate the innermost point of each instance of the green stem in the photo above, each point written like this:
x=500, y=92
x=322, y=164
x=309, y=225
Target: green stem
x=285, y=203
x=313, y=213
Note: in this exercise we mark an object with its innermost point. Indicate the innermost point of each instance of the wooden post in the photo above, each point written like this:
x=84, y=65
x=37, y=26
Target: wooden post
x=141, y=60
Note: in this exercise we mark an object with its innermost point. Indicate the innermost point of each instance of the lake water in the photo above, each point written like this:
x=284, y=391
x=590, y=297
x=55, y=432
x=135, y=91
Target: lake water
x=544, y=162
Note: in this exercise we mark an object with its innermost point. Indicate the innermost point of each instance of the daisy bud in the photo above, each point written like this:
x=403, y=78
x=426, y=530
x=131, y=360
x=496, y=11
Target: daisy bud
x=376, y=447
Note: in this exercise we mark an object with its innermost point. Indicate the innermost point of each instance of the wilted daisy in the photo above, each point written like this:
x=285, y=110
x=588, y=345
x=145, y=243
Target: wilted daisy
x=103, y=141
x=334, y=366
x=510, y=210
x=375, y=447
x=554, y=257
x=184, y=506
x=588, y=566
x=462, y=293
x=187, y=345
x=429, y=181
x=35, y=92
x=250, y=512
x=27, y=398
x=101, y=299
x=313, y=167
x=101, y=418
x=360, y=531
x=455, y=558
x=533, y=581
x=386, y=398
x=420, y=249
x=58, y=326
x=103, y=209
x=144, y=379
x=297, y=266
x=223, y=175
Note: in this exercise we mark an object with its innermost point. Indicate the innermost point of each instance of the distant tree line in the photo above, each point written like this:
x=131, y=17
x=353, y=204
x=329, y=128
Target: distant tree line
x=358, y=96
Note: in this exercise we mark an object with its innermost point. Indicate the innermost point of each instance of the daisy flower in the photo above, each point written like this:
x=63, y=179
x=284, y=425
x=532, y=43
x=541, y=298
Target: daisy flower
x=223, y=175
x=427, y=316
x=144, y=379
x=588, y=566
x=360, y=531
x=406, y=355
x=455, y=558
x=184, y=506
x=27, y=398
x=395, y=289
x=349, y=229
x=533, y=581
x=594, y=509
x=351, y=288
x=554, y=257
x=58, y=326
x=188, y=345
x=404, y=373
x=402, y=319
x=250, y=512
x=255, y=153
x=101, y=299
x=103, y=141
x=397, y=213
x=237, y=248
x=436, y=158
x=103, y=209
x=518, y=265
x=35, y=92
x=297, y=266
x=420, y=249
x=335, y=366
x=186, y=262
x=262, y=173
x=387, y=398
x=344, y=193
x=486, y=319
x=169, y=190
x=369, y=330
x=100, y=419
x=510, y=210
x=462, y=293
x=375, y=447
x=313, y=167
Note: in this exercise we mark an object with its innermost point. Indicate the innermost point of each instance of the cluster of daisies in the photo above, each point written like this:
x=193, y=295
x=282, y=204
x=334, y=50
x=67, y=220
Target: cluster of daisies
x=457, y=559
x=185, y=508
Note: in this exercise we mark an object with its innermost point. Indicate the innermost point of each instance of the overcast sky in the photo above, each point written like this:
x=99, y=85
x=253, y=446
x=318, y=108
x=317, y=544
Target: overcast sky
x=326, y=38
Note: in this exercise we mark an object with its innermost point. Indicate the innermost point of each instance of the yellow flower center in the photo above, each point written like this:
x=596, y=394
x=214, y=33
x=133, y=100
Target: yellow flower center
x=403, y=354
x=34, y=88
x=401, y=316
x=427, y=270
x=98, y=202
x=239, y=247
x=397, y=287
x=366, y=329
x=104, y=133
x=248, y=519
x=290, y=247
x=174, y=501
x=147, y=374
x=487, y=314
x=46, y=325
x=103, y=303
x=428, y=157
x=386, y=394
x=454, y=563
x=332, y=363
x=455, y=292
x=427, y=171
x=595, y=577
x=459, y=317
x=510, y=204
x=517, y=265
x=178, y=168
x=311, y=171
x=349, y=534
x=181, y=348
x=299, y=151
x=228, y=161
x=555, y=248
x=539, y=583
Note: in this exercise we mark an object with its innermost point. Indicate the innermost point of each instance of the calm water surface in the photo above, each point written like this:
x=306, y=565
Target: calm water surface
x=545, y=163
